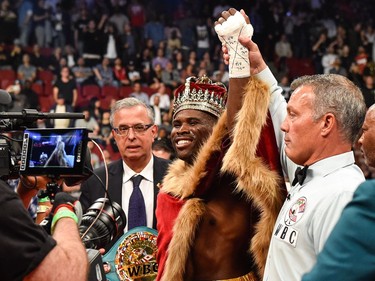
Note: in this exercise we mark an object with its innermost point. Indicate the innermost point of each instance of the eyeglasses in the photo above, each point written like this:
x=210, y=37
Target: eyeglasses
x=137, y=128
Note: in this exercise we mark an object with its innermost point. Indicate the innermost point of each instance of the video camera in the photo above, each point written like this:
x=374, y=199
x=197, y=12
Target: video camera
x=103, y=222
x=57, y=153
x=54, y=152
x=24, y=147
x=51, y=152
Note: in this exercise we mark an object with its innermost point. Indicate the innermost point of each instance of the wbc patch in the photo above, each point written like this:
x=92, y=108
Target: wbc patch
x=295, y=212
x=284, y=231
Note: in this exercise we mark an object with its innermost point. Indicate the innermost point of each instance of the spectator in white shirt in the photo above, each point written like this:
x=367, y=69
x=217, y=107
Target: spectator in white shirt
x=165, y=100
x=139, y=94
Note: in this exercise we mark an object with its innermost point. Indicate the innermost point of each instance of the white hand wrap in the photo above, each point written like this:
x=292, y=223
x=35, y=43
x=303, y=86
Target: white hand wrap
x=228, y=32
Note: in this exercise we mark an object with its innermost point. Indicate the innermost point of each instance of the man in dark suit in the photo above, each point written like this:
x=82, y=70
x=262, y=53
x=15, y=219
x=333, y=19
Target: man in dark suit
x=134, y=131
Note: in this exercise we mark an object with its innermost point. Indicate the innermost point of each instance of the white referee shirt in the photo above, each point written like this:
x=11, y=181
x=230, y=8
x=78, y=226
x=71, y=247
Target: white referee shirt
x=278, y=112
x=311, y=210
x=308, y=216
x=146, y=187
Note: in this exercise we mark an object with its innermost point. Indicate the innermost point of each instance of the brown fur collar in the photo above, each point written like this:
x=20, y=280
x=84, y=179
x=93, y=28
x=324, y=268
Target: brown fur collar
x=254, y=178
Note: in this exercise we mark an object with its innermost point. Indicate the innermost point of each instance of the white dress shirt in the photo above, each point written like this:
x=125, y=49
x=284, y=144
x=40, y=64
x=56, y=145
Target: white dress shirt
x=308, y=216
x=311, y=210
x=147, y=189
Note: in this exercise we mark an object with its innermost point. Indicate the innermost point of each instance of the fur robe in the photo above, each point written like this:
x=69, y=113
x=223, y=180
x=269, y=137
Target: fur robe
x=252, y=158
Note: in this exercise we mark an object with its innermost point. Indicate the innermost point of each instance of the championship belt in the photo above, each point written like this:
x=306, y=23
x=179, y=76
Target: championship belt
x=133, y=257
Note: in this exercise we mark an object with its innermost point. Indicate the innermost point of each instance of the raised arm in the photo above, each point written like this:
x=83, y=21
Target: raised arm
x=257, y=68
x=229, y=27
x=237, y=85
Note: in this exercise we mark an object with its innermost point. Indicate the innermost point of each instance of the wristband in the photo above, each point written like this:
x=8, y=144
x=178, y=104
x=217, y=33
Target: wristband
x=42, y=208
x=44, y=199
x=66, y=205
x=62, y=214
x=228, y=32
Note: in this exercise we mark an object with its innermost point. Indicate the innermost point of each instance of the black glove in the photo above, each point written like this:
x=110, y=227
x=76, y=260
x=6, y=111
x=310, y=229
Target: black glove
x=63, y=199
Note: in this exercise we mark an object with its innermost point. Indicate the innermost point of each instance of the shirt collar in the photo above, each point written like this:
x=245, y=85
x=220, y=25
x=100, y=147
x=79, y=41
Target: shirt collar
x=146, y=173
x=328, y=165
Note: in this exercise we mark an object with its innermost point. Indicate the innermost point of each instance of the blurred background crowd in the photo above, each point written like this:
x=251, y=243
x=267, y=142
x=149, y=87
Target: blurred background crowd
x=81, y=56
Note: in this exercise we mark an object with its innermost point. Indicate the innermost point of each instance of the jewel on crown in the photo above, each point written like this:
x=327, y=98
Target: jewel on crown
x=201, y=94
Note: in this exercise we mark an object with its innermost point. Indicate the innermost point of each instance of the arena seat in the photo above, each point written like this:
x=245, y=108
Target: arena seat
x=109, y=91
x=46, y=103
x=125, y=91
x=5, y=83
x=299, y=67
x=46, y=76
x=149, y=91
x=38, y=88
x=90, y=91
x=7, y=77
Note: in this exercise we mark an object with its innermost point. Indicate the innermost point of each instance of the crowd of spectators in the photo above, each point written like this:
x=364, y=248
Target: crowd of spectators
x=147, y=48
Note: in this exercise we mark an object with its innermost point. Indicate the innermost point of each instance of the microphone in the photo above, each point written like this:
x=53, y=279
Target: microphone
x=5, y=97
x=28, y=116
x=29, y=113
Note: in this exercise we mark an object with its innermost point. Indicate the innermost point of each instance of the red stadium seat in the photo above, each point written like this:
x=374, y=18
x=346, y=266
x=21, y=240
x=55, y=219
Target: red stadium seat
x=149, y=91
x=46, y=103
x=7, y=78
x=48, y=89
x=5, y=83
x=90, y=91
x=125, y=91
x=7, y=74
x=46, y=76
x=115, y=155
x=46, y=51
x=299, y=67
x=87, y=93
x=28, y=49
x=110, y=91
x=38, y=88
x=105, y=102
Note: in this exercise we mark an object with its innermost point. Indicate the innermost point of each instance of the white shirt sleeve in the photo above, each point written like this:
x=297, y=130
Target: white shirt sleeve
x=277, y=108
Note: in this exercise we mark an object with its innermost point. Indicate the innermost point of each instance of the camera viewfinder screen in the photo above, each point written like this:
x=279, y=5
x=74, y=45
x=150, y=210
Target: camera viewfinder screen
x=52, y=148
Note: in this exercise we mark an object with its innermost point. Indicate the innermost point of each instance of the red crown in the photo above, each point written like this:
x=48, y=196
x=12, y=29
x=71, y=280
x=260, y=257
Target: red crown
x=200, y=94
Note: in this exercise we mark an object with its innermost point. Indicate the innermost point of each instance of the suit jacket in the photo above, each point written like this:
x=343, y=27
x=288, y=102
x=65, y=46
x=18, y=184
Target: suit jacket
x=93, y=189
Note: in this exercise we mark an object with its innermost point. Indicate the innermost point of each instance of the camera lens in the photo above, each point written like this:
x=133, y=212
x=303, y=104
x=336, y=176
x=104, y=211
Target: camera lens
x=108, y=225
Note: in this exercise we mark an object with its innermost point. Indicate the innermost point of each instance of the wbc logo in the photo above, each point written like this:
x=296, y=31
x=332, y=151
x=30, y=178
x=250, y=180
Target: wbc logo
x=295, y=212
x=285, y=231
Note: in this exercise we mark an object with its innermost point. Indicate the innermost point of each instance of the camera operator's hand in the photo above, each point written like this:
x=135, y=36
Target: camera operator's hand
x=28, y=187
x=34, y=182
x=65, y=206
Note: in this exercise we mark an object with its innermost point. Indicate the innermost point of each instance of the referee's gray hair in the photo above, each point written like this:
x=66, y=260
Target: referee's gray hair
x=129, y=103
x=338, y=95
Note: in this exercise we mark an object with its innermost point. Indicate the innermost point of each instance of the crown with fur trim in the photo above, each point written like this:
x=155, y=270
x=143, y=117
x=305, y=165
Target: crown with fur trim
x=200, y=94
